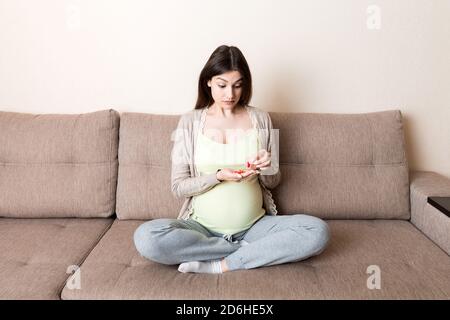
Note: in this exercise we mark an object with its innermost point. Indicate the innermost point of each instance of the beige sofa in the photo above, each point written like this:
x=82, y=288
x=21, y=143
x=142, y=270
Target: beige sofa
x=73, y=188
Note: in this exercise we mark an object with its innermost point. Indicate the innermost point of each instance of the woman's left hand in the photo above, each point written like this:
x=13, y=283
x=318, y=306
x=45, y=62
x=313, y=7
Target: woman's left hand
x=261, y=160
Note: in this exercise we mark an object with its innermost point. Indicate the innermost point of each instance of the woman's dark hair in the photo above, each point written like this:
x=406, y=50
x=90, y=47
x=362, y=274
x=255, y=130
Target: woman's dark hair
x=222, y=60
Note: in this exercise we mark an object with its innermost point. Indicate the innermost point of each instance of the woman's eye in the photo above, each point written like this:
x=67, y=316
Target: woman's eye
x=223, y=86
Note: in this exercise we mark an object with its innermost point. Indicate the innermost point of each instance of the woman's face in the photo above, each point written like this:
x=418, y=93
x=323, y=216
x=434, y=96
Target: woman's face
x=226, y=89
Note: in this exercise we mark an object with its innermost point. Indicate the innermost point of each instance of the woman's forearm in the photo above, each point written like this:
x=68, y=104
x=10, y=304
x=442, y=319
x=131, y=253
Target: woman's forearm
x=183, y=185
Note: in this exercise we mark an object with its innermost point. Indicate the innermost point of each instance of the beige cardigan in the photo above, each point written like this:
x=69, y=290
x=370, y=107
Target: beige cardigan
x=186, y=181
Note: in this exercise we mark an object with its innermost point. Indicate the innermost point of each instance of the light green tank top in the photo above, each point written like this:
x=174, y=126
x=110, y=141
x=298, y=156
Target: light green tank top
x=229, y=207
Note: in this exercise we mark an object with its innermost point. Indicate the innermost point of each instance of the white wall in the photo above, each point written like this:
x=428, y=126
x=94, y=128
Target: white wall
x=77, y=56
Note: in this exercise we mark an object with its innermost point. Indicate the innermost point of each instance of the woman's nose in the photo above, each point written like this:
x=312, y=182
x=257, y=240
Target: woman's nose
x=229, y=93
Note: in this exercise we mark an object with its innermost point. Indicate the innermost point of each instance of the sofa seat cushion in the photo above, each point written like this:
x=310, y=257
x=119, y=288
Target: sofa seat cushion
x=411, y=267
x=36, y=254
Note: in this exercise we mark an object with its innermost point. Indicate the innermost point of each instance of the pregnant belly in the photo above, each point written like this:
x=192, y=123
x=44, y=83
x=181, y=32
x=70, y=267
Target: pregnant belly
x=230, y=205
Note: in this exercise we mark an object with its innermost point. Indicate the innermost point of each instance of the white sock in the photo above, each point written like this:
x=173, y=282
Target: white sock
x=212, y=266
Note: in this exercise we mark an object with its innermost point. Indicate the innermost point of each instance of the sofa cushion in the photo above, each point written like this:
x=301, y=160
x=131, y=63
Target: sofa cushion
x=343, y=166
x=411, y=266
x=36, y=254
x=54, y=165
x=143, y=186
x=333, y=166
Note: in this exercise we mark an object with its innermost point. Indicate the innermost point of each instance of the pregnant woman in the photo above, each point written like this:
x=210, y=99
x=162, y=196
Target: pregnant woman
x=224, y=163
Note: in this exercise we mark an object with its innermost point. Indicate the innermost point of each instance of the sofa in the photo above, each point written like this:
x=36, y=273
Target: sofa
x=74, y=187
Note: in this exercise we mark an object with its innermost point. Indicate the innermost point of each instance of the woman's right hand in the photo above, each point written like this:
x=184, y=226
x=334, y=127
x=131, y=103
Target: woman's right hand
x=227, y=174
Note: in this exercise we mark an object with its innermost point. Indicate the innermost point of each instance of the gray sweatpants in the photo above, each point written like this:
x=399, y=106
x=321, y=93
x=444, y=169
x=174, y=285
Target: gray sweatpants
x=271, y=240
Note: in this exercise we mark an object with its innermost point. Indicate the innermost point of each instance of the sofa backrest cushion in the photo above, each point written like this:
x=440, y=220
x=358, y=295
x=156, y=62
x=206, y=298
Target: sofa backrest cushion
x=343, y=166
x=143, y=187
x=333, y=166
x=58, y=165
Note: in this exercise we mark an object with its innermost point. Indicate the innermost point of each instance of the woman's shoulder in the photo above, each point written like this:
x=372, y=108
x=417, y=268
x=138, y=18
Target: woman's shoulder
x=192, y=114
x=261, y=115
x=258, y=111
x=189, y=117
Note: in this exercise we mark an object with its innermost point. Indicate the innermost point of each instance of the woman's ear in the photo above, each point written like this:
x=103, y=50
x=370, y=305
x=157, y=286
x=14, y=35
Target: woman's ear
x=209, y=83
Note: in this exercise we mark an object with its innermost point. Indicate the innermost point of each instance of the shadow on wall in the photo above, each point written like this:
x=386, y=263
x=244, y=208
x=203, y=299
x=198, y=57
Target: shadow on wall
x=411, y=148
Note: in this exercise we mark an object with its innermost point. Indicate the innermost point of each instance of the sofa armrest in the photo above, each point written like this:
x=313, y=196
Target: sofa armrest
x=432, y=222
